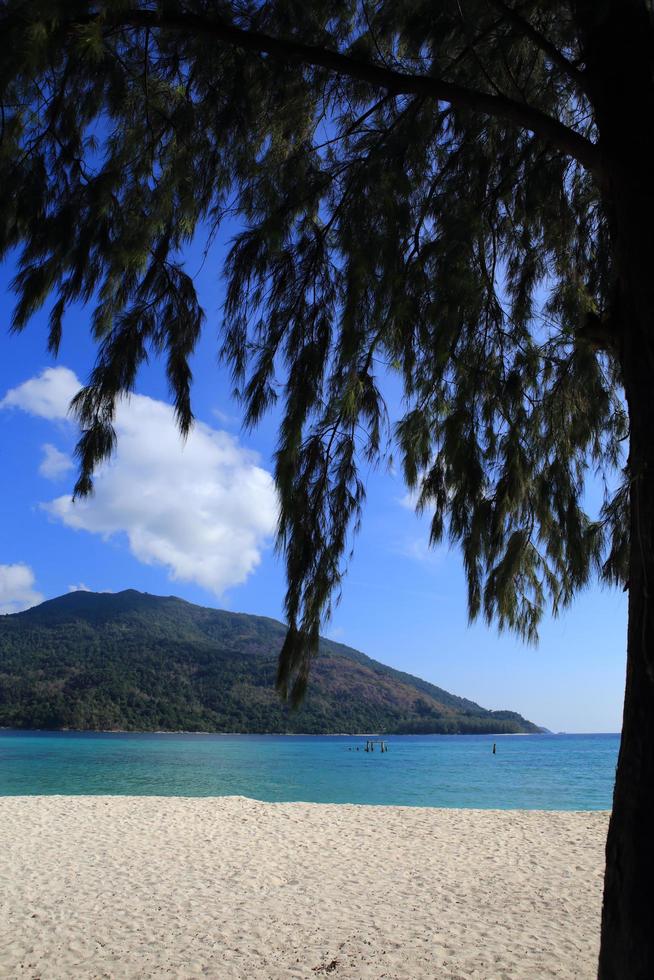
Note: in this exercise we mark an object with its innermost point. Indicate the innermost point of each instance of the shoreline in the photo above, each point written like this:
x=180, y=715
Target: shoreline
x=229, y=887
x=144, y=731
x=240, y=798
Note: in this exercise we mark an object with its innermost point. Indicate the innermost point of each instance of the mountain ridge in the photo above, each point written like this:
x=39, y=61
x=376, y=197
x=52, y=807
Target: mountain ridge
x=138, y=662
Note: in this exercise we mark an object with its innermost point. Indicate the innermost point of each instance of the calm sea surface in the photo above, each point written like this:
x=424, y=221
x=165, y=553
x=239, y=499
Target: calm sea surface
x=552, y=772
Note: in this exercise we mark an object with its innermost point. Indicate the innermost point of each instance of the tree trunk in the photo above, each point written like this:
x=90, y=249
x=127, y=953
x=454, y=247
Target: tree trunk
x=627, y=945
x=618, y=45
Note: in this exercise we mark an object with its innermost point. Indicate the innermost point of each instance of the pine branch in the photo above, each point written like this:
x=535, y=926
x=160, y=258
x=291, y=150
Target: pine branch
x=567, y=140
x=546, y=46
x=398, y=83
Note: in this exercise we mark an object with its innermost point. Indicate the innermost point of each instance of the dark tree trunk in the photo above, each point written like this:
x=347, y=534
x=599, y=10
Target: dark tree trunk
x=618, y=41
x=627, y=944
x=627, y=947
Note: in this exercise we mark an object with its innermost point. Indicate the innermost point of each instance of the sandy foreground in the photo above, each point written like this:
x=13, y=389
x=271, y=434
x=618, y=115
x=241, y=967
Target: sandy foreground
x=125, y=887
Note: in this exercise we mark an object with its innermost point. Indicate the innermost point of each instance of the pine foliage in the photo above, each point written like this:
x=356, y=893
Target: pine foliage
x=385, y=230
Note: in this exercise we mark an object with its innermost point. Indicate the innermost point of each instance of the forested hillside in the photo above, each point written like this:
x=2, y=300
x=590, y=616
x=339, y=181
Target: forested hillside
x=134, y=661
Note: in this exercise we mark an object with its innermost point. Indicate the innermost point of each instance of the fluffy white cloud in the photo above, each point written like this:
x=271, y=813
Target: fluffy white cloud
x=410, y=500
x=202, y=508
x=225, y=418
x=54, y=463
x=17, y=588
x=49, y=395
x=419, y=549
x=83, y=587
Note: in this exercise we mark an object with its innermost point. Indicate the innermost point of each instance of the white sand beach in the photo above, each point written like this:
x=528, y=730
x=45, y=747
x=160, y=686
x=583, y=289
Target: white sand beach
x=124, y=887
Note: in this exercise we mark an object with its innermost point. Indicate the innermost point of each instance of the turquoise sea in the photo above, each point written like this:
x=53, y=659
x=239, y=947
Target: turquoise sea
x=550, y=772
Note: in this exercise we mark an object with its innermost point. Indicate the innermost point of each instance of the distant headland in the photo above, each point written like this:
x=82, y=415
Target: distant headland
x=132, y=661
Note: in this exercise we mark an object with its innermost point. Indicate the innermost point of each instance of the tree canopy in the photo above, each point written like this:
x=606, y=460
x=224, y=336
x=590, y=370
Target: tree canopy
x=455, y=193
x=419, y=192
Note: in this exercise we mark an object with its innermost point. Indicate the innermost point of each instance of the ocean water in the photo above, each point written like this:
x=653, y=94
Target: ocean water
x=542, y=772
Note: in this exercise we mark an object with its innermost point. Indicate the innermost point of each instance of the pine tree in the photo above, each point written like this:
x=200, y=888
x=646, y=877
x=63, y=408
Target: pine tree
x=459, y=193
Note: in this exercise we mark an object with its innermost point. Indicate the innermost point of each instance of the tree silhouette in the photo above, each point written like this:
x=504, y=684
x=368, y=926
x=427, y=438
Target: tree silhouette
x=457, y=192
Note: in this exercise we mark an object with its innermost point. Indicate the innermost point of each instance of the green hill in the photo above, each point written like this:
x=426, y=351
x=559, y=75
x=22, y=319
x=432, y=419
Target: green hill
x=139, y=662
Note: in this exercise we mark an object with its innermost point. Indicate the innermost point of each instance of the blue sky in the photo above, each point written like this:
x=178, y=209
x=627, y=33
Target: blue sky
x=197, y=521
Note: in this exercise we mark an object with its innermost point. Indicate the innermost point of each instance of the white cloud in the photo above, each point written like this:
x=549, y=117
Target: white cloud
x=419, y=549
x=16, y=588
x=49, y=395
x=410, y=500
x=225, y=418
x=83, y=587
x=202, y=508
x=54, y=463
